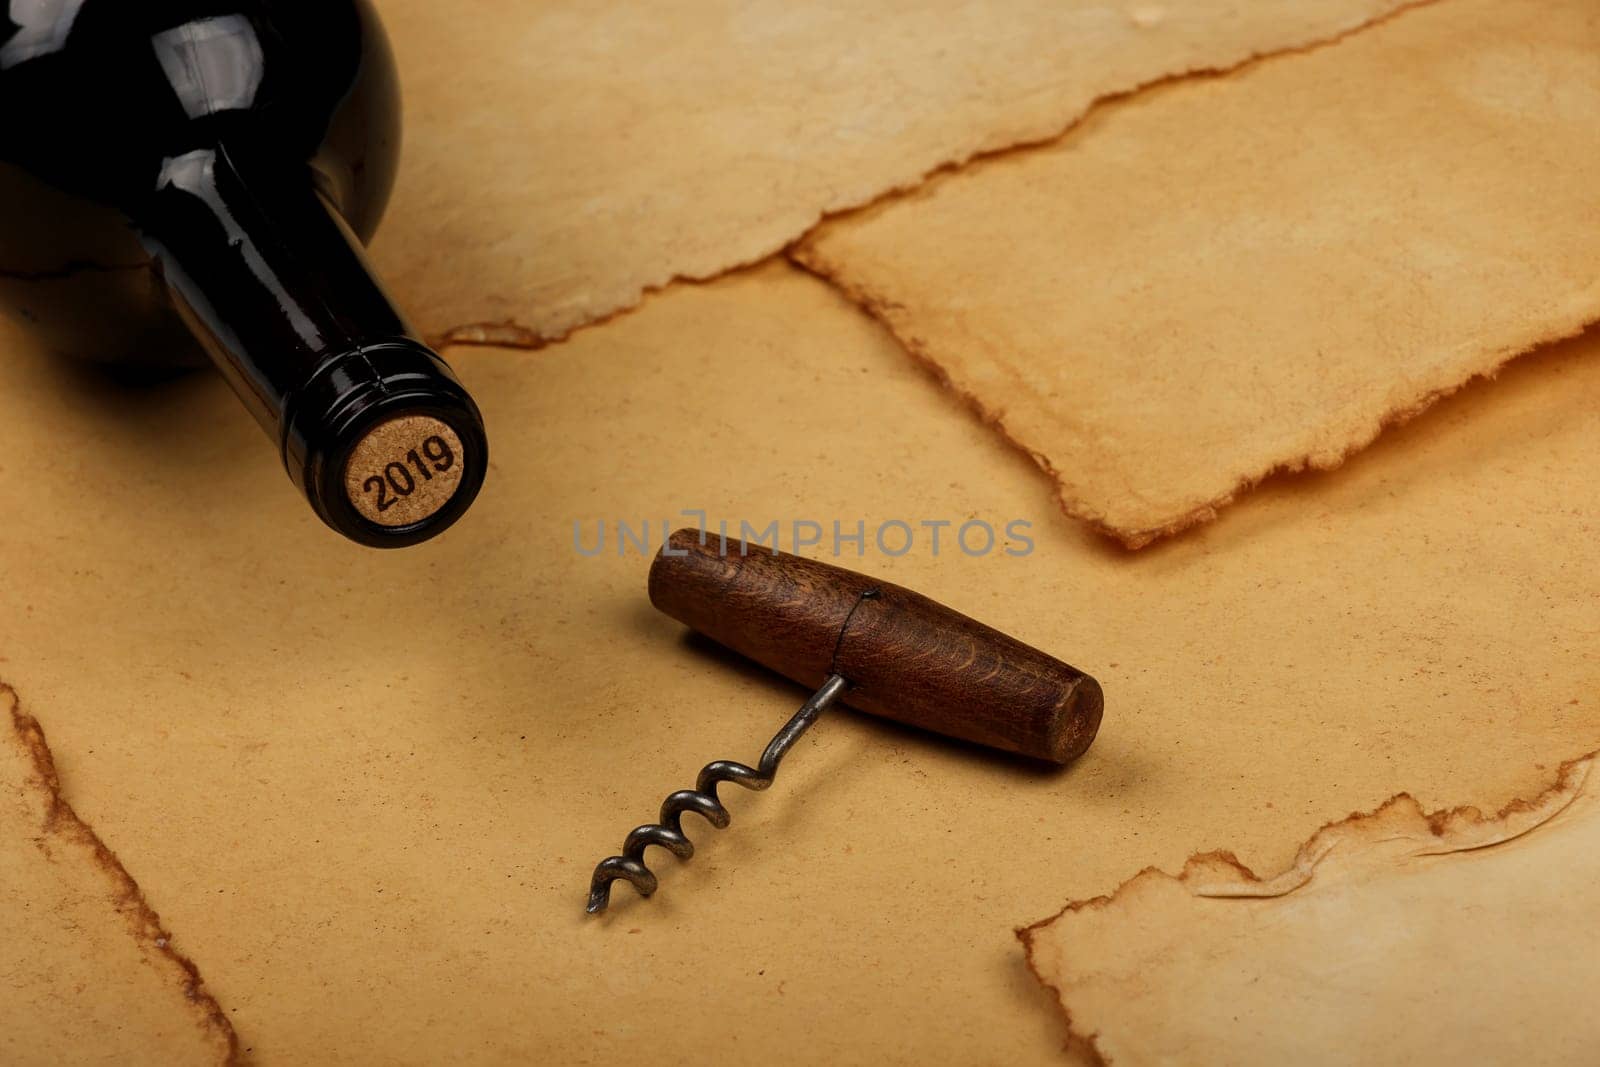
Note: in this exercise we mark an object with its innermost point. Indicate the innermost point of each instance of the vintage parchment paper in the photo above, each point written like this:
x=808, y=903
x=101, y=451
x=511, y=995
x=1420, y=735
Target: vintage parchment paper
x=562, y=157
x=1397, y=936
x=1220, y=278
x=87, y=972
x=365, y=790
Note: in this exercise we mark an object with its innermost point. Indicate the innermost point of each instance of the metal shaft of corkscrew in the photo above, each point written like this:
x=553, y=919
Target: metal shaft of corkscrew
x=702, y=800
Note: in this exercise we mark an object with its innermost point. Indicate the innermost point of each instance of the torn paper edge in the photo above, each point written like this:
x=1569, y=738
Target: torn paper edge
x=1581, y=312
x=62, y=823
x=1220, y=873
x=505, y=334
x=509, y=333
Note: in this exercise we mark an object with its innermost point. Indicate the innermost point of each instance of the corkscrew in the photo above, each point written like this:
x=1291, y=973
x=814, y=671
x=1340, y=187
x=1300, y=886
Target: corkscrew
x=703, y=800
x=874, y=646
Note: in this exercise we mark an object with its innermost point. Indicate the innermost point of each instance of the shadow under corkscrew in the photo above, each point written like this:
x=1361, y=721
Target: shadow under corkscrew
x=702, y=799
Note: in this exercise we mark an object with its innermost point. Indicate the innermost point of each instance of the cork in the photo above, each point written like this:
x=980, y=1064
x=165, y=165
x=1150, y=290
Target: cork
x=404, y=470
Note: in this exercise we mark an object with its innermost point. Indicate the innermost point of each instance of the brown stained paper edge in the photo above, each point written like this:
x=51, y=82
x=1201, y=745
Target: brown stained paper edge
x=63, y=823
x=1219, y=873
x=508, y=333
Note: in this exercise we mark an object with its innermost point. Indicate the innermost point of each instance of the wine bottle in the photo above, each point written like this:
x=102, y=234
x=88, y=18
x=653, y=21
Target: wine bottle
x=191, y=178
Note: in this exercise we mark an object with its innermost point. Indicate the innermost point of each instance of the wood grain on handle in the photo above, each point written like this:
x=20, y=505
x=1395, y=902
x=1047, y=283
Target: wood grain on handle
x=906, y=657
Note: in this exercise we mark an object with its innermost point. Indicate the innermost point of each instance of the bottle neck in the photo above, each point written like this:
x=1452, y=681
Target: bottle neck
x=275, y=286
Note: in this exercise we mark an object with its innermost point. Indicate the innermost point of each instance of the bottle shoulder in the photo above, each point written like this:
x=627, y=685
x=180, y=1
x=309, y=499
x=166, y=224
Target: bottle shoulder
x=102, y=96
x=99, y=93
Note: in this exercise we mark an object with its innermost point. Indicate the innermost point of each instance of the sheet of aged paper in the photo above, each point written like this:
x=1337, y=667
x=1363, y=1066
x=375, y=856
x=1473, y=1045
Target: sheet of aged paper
x=1396, y=937
x=1221, y=278
x=87, y=972
x=368, y=788
x=562, y=158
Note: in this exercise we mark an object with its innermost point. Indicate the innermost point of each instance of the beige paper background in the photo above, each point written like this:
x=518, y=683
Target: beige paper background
x=1225, y=277
x=366, y=789
x=562, y=158
x=1397, y=937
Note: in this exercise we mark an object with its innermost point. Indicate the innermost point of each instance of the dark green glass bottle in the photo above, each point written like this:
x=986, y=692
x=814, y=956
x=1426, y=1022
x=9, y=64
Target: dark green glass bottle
x=191, y=178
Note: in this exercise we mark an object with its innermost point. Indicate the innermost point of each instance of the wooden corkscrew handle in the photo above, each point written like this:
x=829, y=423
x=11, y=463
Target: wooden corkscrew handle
x=905, y=657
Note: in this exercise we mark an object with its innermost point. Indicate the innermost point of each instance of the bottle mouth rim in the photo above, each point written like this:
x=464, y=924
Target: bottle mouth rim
x=348, y=404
